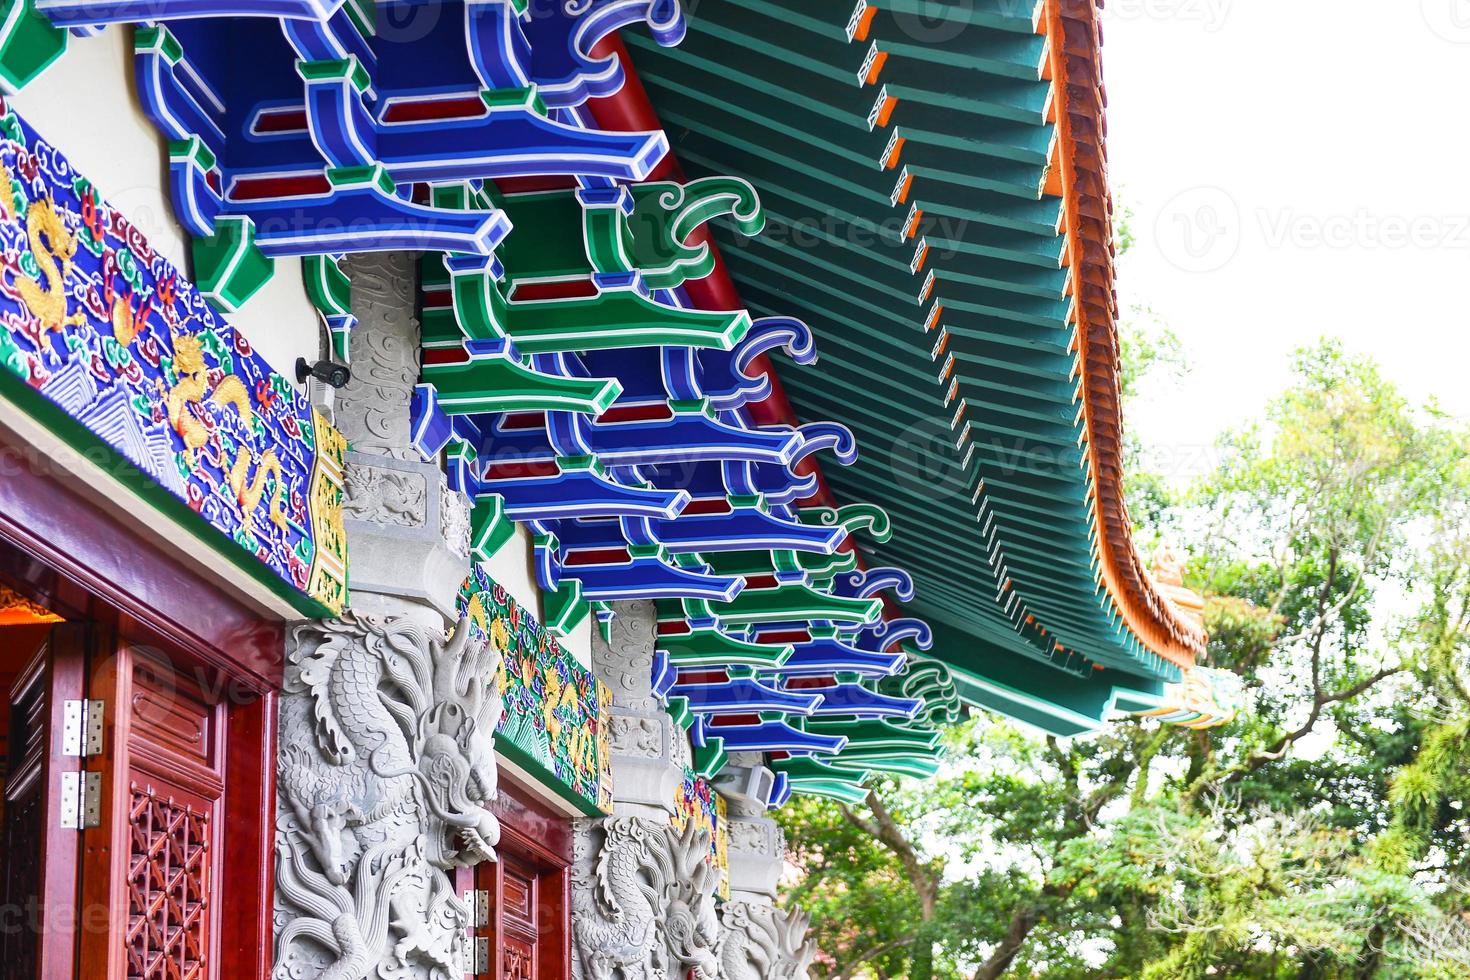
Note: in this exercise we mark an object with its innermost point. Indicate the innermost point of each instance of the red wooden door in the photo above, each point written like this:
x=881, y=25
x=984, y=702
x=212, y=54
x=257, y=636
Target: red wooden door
x=44, y=669
x=528, y=932
x=154, y=859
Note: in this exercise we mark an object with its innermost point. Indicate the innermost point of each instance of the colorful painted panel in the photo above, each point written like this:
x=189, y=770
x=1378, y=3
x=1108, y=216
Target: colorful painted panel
x=129, y=359
x=556, y=712
x=696, y=799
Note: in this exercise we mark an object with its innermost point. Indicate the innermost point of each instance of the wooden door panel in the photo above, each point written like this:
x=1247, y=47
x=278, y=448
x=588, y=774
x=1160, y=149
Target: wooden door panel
x=530, y=910
x=40, y=857
x=158, y=851
x=171, y=856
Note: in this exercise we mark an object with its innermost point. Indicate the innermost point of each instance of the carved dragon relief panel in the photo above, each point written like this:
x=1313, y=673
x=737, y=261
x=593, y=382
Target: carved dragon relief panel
x=758, y=942
x=377, y=495
x=643, y=901
x=385, y=767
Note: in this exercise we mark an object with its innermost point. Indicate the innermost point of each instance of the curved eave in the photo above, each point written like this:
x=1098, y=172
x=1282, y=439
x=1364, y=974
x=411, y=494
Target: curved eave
x=1080, y=161
x=1045, y=570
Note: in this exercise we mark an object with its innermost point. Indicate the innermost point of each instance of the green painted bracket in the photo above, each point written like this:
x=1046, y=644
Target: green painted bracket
x=460, y=452
x=617, y=316
x=605, y=234
x=824, y=568
x=710, y=758
x=878, y=738
x=644, y=229
x=813, y=778
x=711, y=648
x=794, y=603
x=931, y=681
x=918, y=767
x=229, y=267
x=502, y=383
x=852, y=518
x=490, y=529
x=330, y=291
x=665, y=215
x=678, y=709
x=756, y=563
x=29, y=44
x=565, y=608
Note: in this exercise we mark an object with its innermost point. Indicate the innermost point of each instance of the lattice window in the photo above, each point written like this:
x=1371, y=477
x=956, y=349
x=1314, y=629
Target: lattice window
x=168, y=888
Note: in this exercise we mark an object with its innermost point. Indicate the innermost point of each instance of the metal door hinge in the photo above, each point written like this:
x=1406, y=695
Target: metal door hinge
x=81, y=800
x=482, y=909
x=482, y=955
x=81, y=729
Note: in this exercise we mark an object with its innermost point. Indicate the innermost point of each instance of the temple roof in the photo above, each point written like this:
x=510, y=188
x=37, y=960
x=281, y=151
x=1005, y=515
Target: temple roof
x=938, y=213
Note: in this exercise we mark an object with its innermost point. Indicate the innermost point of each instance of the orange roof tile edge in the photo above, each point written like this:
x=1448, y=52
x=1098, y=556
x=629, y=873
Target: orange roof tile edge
x=1076, y=70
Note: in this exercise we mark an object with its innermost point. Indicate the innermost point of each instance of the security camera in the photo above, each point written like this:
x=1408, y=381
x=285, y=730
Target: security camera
x=327, y=372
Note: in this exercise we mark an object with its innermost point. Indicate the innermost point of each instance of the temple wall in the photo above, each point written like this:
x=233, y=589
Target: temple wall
x=87, y=104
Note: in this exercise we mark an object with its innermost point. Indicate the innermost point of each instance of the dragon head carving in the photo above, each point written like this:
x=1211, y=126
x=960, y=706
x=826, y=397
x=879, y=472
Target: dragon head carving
x=690, y=924
x=456, y=750
x=765, y=943
x=386, y=767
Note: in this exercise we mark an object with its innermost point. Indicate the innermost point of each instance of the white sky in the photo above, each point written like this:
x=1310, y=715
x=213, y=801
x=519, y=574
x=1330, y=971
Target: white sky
x=1297, y=168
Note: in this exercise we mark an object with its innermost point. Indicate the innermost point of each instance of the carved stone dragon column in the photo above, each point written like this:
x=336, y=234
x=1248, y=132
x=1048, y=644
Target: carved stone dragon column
x=387, y=720
x=643, y=893
x=757, y=940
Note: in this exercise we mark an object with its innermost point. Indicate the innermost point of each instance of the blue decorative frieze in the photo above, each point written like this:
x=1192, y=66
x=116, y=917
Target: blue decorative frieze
x=109, y=345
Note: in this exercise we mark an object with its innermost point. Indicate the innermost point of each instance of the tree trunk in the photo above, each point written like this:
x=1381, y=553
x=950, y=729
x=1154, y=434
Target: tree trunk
x=1000, y=961
x=923, y=959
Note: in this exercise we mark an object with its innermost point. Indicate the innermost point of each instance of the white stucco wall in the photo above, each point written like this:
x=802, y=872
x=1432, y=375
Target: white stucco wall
x=87, y=105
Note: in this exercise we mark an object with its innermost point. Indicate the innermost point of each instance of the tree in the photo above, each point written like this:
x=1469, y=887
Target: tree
x=1319, y=835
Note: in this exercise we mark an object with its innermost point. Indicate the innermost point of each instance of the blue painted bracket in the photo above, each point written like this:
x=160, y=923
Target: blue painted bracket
x=746, y=527
x=823, y=656
x=869, y=582
x=883, y=635
x=581, y=488
x=725, y=376
x=87, y=13
x=775, y=735
x=857, y=701
x=362, y=213
x=743, y=695
x=692, y=435
x=647, y=574
x=562, y=40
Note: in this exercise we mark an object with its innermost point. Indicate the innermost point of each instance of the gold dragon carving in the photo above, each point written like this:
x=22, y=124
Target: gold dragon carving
x=190, y=390
x=53, y=248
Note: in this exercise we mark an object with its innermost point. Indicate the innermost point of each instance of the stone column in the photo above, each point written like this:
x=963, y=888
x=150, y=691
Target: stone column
x=757, y=846
x=408, y=535
x=757, y=940
x=386, y=757
x=617, y=923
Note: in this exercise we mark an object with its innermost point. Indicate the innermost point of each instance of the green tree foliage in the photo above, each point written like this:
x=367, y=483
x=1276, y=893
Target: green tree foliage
x=1323, y=833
